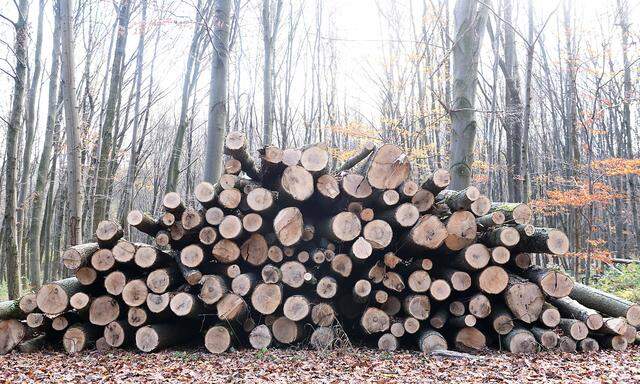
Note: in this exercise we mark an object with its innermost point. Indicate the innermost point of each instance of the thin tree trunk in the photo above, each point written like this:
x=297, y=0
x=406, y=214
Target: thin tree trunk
x=470, y=19
x=217, y=117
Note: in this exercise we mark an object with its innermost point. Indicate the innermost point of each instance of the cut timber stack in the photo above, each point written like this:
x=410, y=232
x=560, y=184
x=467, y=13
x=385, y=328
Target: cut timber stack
x=289, y=250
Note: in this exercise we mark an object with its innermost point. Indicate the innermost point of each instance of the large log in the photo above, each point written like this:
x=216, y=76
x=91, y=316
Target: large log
x=103, y=310
x=12, y=332
x=606, y=303
x=388, y=167
x=53, y=298
x=218, y=338
x=524, y=299
x=429, y=233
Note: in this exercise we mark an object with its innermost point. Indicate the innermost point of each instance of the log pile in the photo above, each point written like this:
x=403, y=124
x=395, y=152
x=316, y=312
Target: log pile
x=299, y=250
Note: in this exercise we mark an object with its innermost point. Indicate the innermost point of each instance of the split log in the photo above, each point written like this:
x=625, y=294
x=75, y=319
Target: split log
x=255, y=250
x=429, y=233
x=328, y=189
x=288, y=226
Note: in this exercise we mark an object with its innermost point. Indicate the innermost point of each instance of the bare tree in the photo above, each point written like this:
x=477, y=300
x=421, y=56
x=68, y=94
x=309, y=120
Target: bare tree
x=269, y=34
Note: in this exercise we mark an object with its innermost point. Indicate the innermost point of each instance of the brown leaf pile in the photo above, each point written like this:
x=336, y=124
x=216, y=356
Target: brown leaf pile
x=301, y=366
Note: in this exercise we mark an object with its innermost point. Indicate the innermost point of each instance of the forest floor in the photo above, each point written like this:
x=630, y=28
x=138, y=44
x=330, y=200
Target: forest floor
x=302, y=366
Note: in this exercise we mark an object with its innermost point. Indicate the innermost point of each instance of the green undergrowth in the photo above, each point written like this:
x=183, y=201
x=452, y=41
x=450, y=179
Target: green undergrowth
x=623, y=281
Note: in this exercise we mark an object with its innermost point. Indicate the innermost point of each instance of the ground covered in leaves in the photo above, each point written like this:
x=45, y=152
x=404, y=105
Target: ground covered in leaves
x=302, y=366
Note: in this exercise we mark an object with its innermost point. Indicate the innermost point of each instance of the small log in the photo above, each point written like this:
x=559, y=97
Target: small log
x=118, y=334
x=102, y=260
x=328, y=189
x=550, y=316
x=378, y=233
x=459, y=200
x=108, y=233
x=214, y=216
x=151, y=258
x=501, y=236
x=391, y=260
x=588, y=345
x=260, y=337
x=143, y=222
x=480, y=306
x=437, y=181
x=231, y=227
x=430, y=341
x=254, y=250
x=124, y=251
x=502, y=320
x=423, y=200
x=266, y=298
x=419, y=281
x=286, y=331
x=243, y=283
x=388, y=342
x=457, y=308
x=355, y=187
x=472, y=258
x=361, y=250
x=252, y=222
x=546, y=337
x=481, y=206
x=546, y=240
x=567, y=344
x=519, y=340
x=232, y=166
x=33, y=345
x=462, y=321
x=361, y=291
x=235, y=145
x=78, y=255
x=429, y=233
x=343, y=227
x=439, y=318
x=374, y=320
x=293, y=274
x=163, y=279
x=439, y=290
x=492, y=280
x=490, y=220
x=615, y=342
x=393, y=281
x=225, y=251
x=365, y=151
x=291, y=156
x=137, y=317
x=213, y=288
x=218, y=338
x=231, y=307
x=208, y=235
x=521, y=261
x=327, y=287
x=80, y=337
x=500, y=255
x=296, y=307
x=514, y=212
x=614, y=326
x=315, y=159
x=417, y=306
x=460, y=281
x=606, y=303
x=392, y=306
x=572, y=309
x=135, y=293
x=173, y=203
x=461, y=229
x=103, y=310
x=411, y=325
x=403, y=216
x=79, y=301
x=159, y=303
x=407, y=190
x=323, y=315
x=155, y=337
x=322, y=338
x=469, y=338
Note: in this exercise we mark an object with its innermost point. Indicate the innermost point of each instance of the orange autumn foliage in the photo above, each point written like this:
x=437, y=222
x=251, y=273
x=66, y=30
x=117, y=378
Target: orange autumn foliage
x=617, y=166
x=557, y=201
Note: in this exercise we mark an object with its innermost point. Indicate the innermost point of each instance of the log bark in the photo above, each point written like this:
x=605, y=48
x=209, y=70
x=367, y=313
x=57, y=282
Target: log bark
x=53, y=298
x=606, y=303
x=519, y=340
x=545, y=336
x=78, y=255
x=155, y=337
x=572, y=309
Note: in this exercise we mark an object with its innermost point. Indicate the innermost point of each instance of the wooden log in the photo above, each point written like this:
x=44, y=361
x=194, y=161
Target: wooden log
x=429, y=233
x=323, y=315
x=459, y=200
x=439, y=290
x=108, y=233
x=393, y=281
x=286, y=331
x=11, y=310
x=606, y=303
x=417, y=306
x=208, y=235
x=291, y=156
x=173, y=203
x=225, y=251
x=27, y=303
x=567, y=344
x=524, y=299
x=231, y=307
x=437, y=181
x=143, y=222
x=254, y=250
x=419, y=281
x=61, y=322
x=232, y=166
x=355, y=187
x=296, y=307
x=159, y=304
x=275, y=254
x=630, y=334
x=235, y=145
x=572, y=309
x=489, y=220
x=397, y=328
x=500, y=255
x=457, y=308
x=360, y=250
x=162, y=239
x=232, y=271
x=430, y=341
x=243, y=283
x=461, y=230
x=327, y=189
x=387, y=167
x=37, y=322
x=205, y=193
x=472, y=258
x=167, y=219
x=343, y=227
x=546, y=240
x=296, y=184
x=322, y=338
x=481, y=206
x=403, y=216
x=458, y=280
x=492, y=280
x=378, y=233
x=271, y=162
x=423, y=200
x=501, y=320
x=615, y=342
x=253, y=222
x=588, y=344
x=388, y=342
x=231, y=227
x=392, y=306
x=118, y=333
x=374, y=320
x=53, y=298
x=266, y=298
x=213, y=288
x=124, y=252
x=327, y=287
x=137, y=317
x=365, y=151
x=80, y=301
x=514, y=212
x=12, y=332
x=519, y=340
x=214, y=216
x=407, y=190
x=78, y=255
x=614, y=326
x=501, y=236
x=155, y=337
x=469, y=338
x=411, y=325
x=521, y=261
x=293, y=274
x=462, y=321
x=218, y=338
x=135, y=293
x=525, y=230
x=439, y=318
x=545, y=337
x=260, y=337
x=151, y=258
x=479, y=306
x=391, y=260
x=315, y=159
x=288, y=226
x=33, y=345
x=550, y=316
x=80, y=337
x=103, y=310
x=192, y=219
x=163, y=279
x=102, y=260
x=361, y=291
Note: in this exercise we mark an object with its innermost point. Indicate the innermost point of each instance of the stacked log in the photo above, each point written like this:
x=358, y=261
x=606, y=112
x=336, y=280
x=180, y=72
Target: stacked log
x=287, y=250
